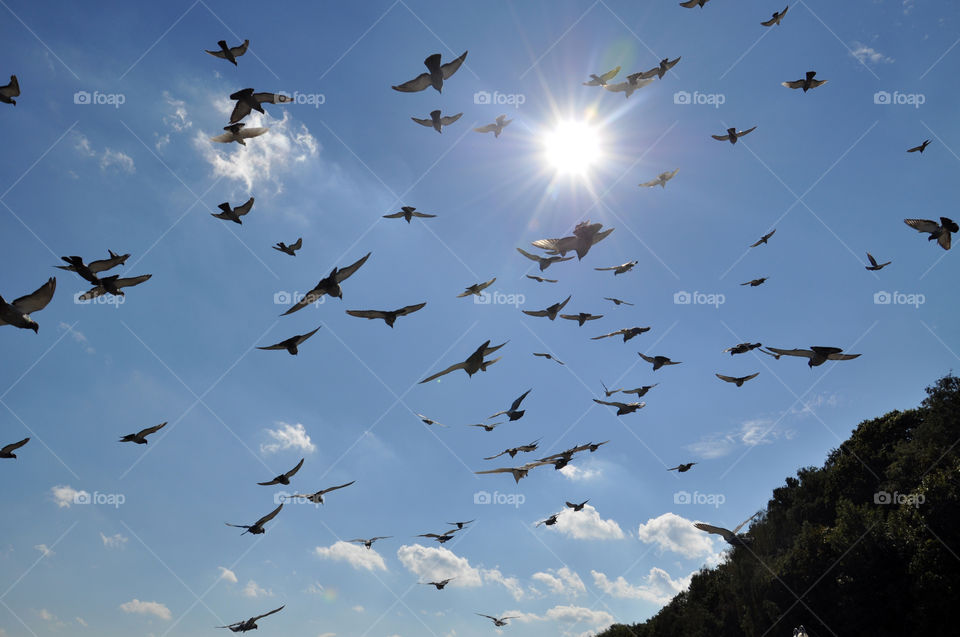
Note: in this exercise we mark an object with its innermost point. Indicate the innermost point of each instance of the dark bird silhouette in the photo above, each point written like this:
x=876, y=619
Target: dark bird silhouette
x=440, y=538
x=658, y=361
x=112, y=285
x=577, y=507
x=100, y=265
x=289, y=249
x=742, y=348
x=283, y=478
x=601, y=80
x=257, y=527
x=369, y=543
x=763, y=239
x=627, y=88
x=513, y=451
x=540, y=279
x=292, y=343
x=919, y=149
x=694, y=3
x=329, y=285
x=682, y=468
x=550, y=521
x=543, y=262
x=622, y=408
x=429, y=421
x=489, y=427
x=616, y=301
x=18, y=313
x=585, y=236
x=609, y=392
x=247, y=100
x=229, y=53
x=730, y=536
x=550, y=312
x=660, y=70
x=807, y=83
x=817, y=355
x=7, y=451
x=233, y=214
x=77, y=265
x=582, y=317
x=639, y=391
x=755, y=282
x=436, y=121
x=777, y=17
x=739, y=380
x=476, y=288
x=733, y=135
x=874, y=265
x=389, y=317
x=11, y=90
x=549, y=357
x=473, y=364
x=441, y=583
x=460, y=525
x=250, y=624
x=317, y=498
x=497, y=621
x=619, y=269
x=514, y=413
x=627, y=333
x=141, y=436
x=496, y=127
x=408, y=213
x=518, y=472
x=939, y=231
x=435, y=75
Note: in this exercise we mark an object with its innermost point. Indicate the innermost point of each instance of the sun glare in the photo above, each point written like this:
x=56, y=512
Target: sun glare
x=572, y=147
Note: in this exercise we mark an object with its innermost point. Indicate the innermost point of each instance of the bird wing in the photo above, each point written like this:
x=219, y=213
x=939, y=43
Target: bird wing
x=792, y=352
x=754, y=245
x=724, y=138
x=240, y=110
x=652, y=182
x=609, y=75
x=244, y=209
x=452, y=368
x=746, y=132
x=922, y=225
x=611, y=404
x=741, y=525
x=841, y=357
x=348, y=271
x=295, y=469
x=498, y=470
x=497, y=456
x=452, y=66
x=410, y=309
x=873, y=261
x=516, y=403
x=794, y=84
x=709, y=528
x=752, y=376
x=532, y=257
x=415, y=85
x=275, y=610
x=14, y=446
x=489, y=128
x=131, y=281
x=38, y=299
x=237, y=51
x=449, y=119
x=485, y=285
x=770, y=22
x=268, y=516
x=309, y=298
x=296, y=245
x=223, y=138
x=150, y=430
x=490, y=350
x=253, y=132
x=367, y=314
x=328, y=490
x=12, y=89
x=649, y=359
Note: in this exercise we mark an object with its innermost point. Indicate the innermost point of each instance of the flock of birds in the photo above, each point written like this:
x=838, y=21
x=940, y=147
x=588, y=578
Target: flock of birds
x=554, y=250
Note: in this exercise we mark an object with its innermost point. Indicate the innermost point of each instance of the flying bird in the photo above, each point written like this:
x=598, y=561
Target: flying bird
x=582, y=317
x=460, y=525
x=549, y=357
x=577, y=507
x=658, y=361
x=609, y=392
x=874, y=265
x=585, y=236
x=513, y=451
x=540, y=279
x=639, y=391
x=233, y=214
x=407, y=213
x=369, y=543
x=283, y=478
x=238, y=133
x=517, y=472
x=473, y=364
x=440, y=584
x=550, y=312
x=730, y=536
x=429, y=421
x=627, y=88
x=739, y=380
x=601, y=80
x=389, y=317
x=141, y=436
x=513, y=413
x=476, y=288
x=496, y=127
x=543, y=262
x=622, y=408
x=694, y=3
x=619, y=269
x=257, y=527
x=660, y=70
x=550, y=521
x=807, y=83
x=616, y=301
x=755, y=282
x=742, y=348
x=939, y=231
x=292, y=343
x=329, y=285
x=682, y=468
x=497, y=621
x=919, y=149
x=435, y=75
x=77, y=265
x=247, y=100
x=289, y=249
x=317, y=498
x=11, y=90
x=777, y=17
x=817, y=355
x=7, y=451
x=100, y=265
x=18, y=313
x=436, y=121
x=229, y=53
x=250, y=624
x=661, y=179
x=112, y=285
x=489, y=427
x=627, y=333
x=733, y=135
x=763, y=239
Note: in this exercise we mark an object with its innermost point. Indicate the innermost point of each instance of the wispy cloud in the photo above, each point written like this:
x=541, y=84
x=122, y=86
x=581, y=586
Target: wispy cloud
x=355, y=555
x=78, y=337
x=227, y=574
x=114, y=541
x=254, y=590
x=869, y=55
x=65, y=495
x=146, y=608
x=44, y=550
x=288, y=436
x=658, y=587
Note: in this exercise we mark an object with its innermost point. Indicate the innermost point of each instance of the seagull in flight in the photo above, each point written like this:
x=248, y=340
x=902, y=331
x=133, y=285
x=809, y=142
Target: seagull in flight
x=18, y=313
x=389, y=317
x=476, y=288
x=763, y=239
x=682, y=468
x=250, y=624
x=661, y=179
x=141, y=436
x=473, y=364
x=7, y=450
x=292, y=343
x=435, y=75
x=658, y=361
x=817, y=355
x=919, y=149
x=874, y=265
x=733, y=135
x=283, y=478
x=229, y=53
x=257, y=527
x=777, y=17
x=739, y=380
x=939, y=231
x=601, y=80
x=407, y=213
x=497, y=621
x=730, y=536
x=329, y=285
x=807, y=83
x=317, y=498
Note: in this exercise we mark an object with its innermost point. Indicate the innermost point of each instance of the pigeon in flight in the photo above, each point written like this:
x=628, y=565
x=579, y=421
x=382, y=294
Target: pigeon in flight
x=540, y=279
x=369, y=543
x=694, y=3
x=585, y=235
x=317, y=498
x=661, y=179
x=233, y=214
x=489, y=427
x=763, y=239
x=436, y=74
x=742, y=348
x=622, y=408
x=550, y=521
x=247, y=100
x=407, y=213
x=441, y=538
x=514, y=413
x=250, y=624
x=730, y=536
x=755, y=282
x=7, y=451
x=549, y=357
x=627, y=88
x=100, y=265
x=436, y=121
x=658, y=361
x=939, y=231
x=229, y=53
x=112, y=285
x=817, y=355
x=11, y=90
x=289, y=249
x=18, y=312
x=543, y=262
x=550, y=312
x=616, y=301
x=607, y=391
x=627, y=333
x=141, y=436
x=460, y=525
x=733, y=135
x=77, y=265
x=874, y=265
x=389, y=317
x=777, y=17
x=429, y=421
x=601, y=80
x=659, y=71
x=739, y=380
x=257, y=527
x=497, y=621
x=582, y=317
x=329, y=285
x=496, y=127
x=513, y=451
x=682, y=468
x=577, y=507
x=473, y=364
x=238, y=133
x=440, y=584
x=619, y=269
x=518, y=472
x=807, y=83
x=639, y=391
x=919, y=149
x=283, y=478
x=292, y=343
x=476, y=288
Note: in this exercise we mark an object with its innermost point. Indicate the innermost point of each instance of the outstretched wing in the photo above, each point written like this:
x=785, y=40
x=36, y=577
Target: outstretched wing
x=609, y=75
x=410, y=309
x=746, y=132
x=449, y=119
x=489, y=128
x=741, y=525
x=269, y=516
x=295, y=469
x=240, y=110
x=38, y=299
x=451, y=67
x=348, y=271
x=792, y=352
x=794, y=84
x=340, y=486
x=131, y=281
x=150, y=430
x=709, y=528
x=252, y=132
x=415, y=85
x=13, y=446
x=275, y=610
x=12, y=89
x=719, y=138
x=244, y=209
x=729, y=379
x=367, y=314
x=922, y=225
x=452, y=368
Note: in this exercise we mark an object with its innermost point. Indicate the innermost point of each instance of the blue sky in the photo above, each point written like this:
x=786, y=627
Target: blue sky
x=151, y=556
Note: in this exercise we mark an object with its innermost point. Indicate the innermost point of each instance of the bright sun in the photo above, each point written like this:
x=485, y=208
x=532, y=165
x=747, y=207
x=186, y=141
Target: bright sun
x=572, y=147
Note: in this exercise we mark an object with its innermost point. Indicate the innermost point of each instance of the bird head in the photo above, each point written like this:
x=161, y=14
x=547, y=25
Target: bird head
x=33, y=325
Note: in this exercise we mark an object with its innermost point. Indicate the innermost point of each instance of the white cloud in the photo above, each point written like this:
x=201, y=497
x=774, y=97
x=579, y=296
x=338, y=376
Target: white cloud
x=117, y=159
x=562, y=582
x=355, y=555
x=569, y=615
x=44, y=550
x=512, y=584
x=288, y=437
x=658, y=587
x=357, y=609
x=677, y=534
x=146, y=608
x=114, y=541
x=866, y=54
x=437, y=563
x=79, y=337
x=577, y=474
x=65, y=495
x=177, y=118
x=587, y=525
x=254, y=590
x=81, y=621
x=757, y=432
x=82, y=146
x=327, y=635
x=227, y=574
